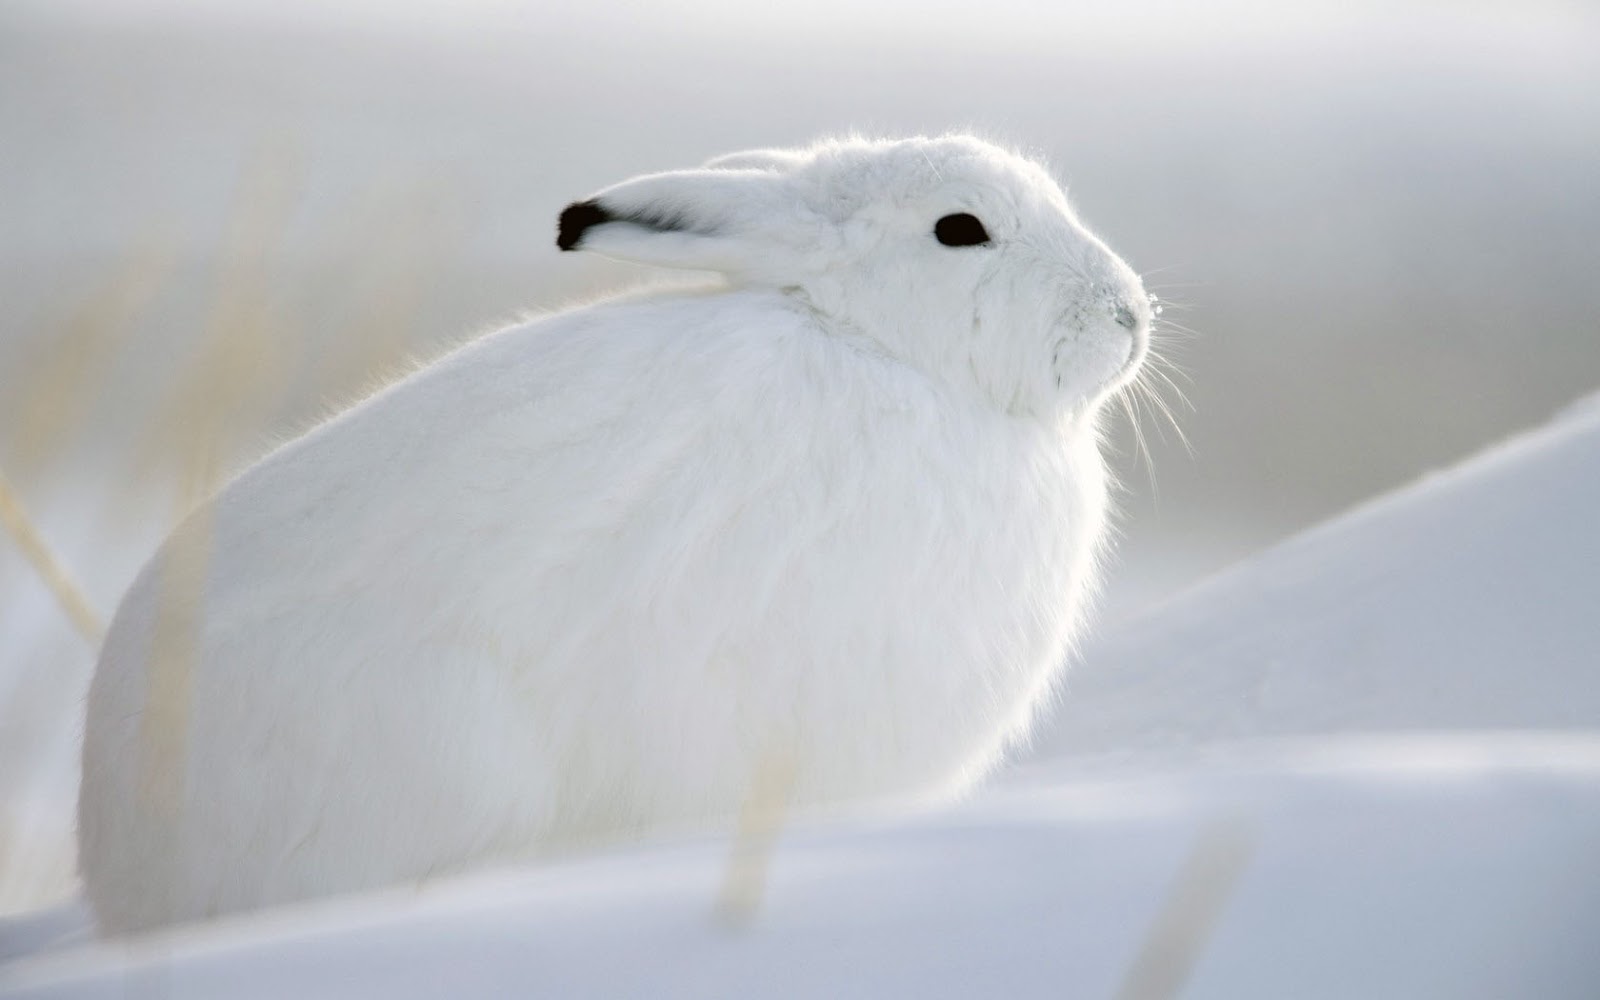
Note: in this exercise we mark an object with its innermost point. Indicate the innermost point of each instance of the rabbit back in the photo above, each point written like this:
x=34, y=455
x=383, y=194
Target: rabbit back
x=574, y=582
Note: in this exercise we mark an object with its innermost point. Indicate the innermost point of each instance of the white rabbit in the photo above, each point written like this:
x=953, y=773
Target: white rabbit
x=578, y=579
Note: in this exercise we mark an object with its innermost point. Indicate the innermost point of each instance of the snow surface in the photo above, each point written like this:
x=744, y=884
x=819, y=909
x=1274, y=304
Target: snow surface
x=1408, y=868
x=1470, y=600
x=1365, y=763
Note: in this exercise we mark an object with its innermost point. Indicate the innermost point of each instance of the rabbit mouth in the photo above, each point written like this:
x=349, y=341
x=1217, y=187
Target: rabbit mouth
x=1136, y=323
x=1137, y=352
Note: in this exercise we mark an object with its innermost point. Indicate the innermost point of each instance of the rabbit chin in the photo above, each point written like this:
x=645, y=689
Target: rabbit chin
x=1101, y=364
x=1138, y=350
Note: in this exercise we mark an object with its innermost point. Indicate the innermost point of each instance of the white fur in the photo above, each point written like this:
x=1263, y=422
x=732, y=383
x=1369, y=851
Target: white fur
x=580, y=578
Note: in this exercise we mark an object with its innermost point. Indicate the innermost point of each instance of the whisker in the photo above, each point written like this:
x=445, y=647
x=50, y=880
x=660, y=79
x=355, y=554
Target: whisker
x=1164, y=350
x=1152, y=378
x=1161, y=405
x=1130, y=405
x=1173, y=326
x=1167, y=366
x=1158, y=270
x=1133, y=422
x=1167, y=355
x=1178, y=340
x=1183, y=398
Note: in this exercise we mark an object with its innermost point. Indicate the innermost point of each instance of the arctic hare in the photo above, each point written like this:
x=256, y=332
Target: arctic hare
x=579, y=579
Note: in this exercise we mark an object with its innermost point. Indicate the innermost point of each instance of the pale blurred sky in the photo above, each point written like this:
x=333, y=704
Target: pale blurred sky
x=1380, y=217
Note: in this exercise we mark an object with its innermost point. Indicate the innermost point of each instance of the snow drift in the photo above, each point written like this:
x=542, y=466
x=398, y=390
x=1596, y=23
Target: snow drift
x=1467, y=601
x=1366, y=763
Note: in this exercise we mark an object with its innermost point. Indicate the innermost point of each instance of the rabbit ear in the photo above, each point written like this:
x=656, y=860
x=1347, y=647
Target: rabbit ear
x=732, y=220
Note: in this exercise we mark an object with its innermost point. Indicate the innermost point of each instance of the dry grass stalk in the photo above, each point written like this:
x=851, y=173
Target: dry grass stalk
x=760, y=821
x=49, y=569
x=58, y=397
x=400, y=249
x=1175, y=941
x=174, y=650
x=218, y=405
x=222, y=396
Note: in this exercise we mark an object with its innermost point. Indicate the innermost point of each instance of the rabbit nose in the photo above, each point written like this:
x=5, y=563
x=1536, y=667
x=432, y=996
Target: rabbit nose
x=1125, y=316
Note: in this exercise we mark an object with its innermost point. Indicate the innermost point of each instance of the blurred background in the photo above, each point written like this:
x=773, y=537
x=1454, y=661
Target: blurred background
x=219, y=220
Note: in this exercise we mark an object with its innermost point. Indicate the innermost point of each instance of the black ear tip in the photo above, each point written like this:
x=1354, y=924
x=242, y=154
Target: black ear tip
x=576, y=219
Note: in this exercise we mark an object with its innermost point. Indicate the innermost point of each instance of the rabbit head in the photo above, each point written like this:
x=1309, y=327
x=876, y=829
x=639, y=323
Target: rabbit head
x=950, y=254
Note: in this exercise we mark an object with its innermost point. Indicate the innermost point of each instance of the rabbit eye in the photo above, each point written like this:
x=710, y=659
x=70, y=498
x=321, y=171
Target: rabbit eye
x=961, y=230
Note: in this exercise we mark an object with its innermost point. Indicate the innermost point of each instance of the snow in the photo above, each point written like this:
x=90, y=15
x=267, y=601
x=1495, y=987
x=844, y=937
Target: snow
x=1466, y=601
x=1434, y=867
x=1365, y=763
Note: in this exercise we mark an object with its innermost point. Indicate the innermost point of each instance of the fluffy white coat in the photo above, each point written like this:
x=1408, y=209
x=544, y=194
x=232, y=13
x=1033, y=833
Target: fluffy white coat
x=585, y=577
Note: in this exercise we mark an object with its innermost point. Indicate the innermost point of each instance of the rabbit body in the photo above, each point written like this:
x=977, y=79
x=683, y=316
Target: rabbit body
x=579, y=580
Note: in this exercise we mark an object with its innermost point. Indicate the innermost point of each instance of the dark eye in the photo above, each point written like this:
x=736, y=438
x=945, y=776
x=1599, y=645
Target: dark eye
x=961, y=230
